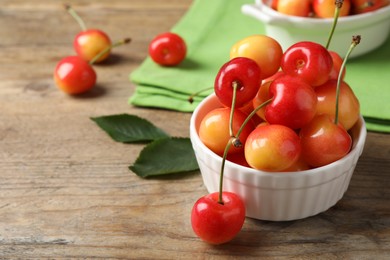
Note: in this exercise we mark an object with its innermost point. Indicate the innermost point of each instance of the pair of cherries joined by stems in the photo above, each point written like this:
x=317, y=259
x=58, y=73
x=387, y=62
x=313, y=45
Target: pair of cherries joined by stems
x=75, y=74
x=281, y=111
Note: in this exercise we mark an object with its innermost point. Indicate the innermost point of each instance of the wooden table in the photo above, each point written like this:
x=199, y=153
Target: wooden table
x=66, y=191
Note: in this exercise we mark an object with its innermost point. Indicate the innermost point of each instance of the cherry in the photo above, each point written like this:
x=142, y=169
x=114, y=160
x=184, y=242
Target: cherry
x=215, y=222
x=272, y=147
x=294, y=7
x=74, y=75
x=264, y=50
x=326, y=8
x=168, y=49
x=364, y=6
x=293, y=102
x=323, y=141
x=214, y=130
x=349, y=110
x=241, y=75
x=309, y=61
x=90, y=42
x=337, y=62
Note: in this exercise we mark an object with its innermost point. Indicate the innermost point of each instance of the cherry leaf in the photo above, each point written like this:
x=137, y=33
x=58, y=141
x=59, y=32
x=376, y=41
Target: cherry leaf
x=127, y=128
x=165, y=156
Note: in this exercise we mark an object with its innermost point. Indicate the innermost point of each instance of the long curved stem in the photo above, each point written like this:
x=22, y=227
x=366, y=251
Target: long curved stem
x=339, y=4
x=355, y=41
x=73, y=13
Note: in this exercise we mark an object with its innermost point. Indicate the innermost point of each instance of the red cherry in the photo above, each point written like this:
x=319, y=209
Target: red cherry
x=293, y=102
x=167, y=49
x=323, y=141
x=309, y=61
x=364, y=6
x=217, y=223
x=242, y=73
x=90, y=43
x=74, y=75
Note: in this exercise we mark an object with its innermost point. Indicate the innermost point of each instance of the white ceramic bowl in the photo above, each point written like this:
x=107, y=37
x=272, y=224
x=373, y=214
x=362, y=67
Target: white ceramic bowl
x=374, y=28
x=277, y=196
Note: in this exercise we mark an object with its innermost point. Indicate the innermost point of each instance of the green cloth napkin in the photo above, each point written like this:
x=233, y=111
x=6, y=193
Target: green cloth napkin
x=210, y=28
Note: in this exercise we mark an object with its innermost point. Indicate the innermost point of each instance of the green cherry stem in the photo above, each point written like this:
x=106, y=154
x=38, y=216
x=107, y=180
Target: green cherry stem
x=107, y=49
x=339, y=4
x=73, y=13
x=355, y=41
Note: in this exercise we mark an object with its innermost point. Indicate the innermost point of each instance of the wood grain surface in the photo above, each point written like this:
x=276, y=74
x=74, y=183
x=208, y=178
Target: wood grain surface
x=66, y=191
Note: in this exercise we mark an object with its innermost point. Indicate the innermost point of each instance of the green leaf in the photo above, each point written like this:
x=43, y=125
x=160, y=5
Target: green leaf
x=129, y=128
x=165, y=156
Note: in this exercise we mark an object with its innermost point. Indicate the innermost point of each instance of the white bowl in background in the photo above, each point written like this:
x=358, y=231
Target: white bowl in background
x=373, y=27
x=277, y=196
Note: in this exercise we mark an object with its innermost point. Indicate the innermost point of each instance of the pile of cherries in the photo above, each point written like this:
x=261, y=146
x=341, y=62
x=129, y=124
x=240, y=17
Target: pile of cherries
x=75, y=74
x=280, y=112
x=325, y=8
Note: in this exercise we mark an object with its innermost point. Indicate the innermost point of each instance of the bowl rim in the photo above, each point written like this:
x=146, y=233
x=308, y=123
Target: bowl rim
x=359, y=129
x=277, y=17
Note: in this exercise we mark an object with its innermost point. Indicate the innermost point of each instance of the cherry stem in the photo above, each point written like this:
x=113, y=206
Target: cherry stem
x=227, y=147
x=191, y=97
x=355, y=41
x=339, y=4
x=73, y=13
x=107, y=49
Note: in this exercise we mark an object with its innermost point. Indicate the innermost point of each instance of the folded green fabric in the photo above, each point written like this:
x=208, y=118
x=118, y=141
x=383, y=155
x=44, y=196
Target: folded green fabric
x=210, y=28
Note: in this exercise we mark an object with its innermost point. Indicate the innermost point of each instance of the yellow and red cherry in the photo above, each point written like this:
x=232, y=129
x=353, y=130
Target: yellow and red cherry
x=349, y=106
x=272, y=148
x=323, y=141
x=218, y=222
x=168, y=49
x=364, y=6
x=240, y=75
x=326, y=8
x=309, y=61
x=294, y=7
x=293, y=102
x=337, y=62
x=264, y=50
x=89, y=42
x=214, y=130
x=74, y=75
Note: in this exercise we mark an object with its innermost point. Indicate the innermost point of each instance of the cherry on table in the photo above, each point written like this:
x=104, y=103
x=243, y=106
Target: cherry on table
x=215, y=222
x=168, y=49
x=89, y=42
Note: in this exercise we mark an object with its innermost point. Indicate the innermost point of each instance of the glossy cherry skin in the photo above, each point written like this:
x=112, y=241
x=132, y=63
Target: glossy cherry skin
x=309, y=61
x=90, y=43
x=168, y=49
x=293, y=102
x=326, y=8
x=349, y=106
x=294, y=7
x=264, y=50
x=73, y=75
x=323, y=141
x=272, y=148
x=215, y=223
x=214, y=129
x=242, y=72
